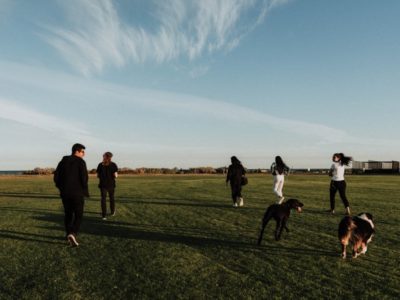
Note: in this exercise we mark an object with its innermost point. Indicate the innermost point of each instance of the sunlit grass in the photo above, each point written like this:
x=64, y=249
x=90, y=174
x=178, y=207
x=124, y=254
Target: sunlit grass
x=179, y=237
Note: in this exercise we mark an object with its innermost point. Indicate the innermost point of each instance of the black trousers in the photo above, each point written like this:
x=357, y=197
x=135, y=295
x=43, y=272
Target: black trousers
x=73, y=213
x=104, y=192
x=236, y=191
x=341, y=187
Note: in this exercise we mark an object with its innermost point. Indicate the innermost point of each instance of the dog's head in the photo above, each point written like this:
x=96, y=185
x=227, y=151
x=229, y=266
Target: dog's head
x=369, y=216
x=295, y=204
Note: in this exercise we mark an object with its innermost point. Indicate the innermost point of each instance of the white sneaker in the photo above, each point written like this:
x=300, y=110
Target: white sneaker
x=235, y=205
x=72, y=240
x=241, y=202
x=104, y=219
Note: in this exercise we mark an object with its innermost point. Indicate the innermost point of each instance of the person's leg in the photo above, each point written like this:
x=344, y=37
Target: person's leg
x=103, y=192
x=78, y=205
x=281, y=183
x=275, y=188
x=235, y=193
x=68, y=215
x=342, y=193
x=239, y=195
x=112, y=200
x=280, y=188
x=332, y=193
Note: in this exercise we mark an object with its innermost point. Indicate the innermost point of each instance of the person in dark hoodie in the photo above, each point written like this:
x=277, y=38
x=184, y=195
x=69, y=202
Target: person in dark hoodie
x=235, y=173
x=71, y=178
x=107, y=171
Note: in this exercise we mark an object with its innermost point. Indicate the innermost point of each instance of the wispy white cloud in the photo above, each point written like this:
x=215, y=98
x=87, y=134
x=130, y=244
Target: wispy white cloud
x=128, y=98
x=96, y=36
x=12, y=111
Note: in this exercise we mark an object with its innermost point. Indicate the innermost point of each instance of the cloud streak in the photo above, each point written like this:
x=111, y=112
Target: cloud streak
x=22, y=114
x=96, y=37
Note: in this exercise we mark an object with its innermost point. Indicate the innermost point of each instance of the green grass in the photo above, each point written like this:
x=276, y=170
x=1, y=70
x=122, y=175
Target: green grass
x=179, y=237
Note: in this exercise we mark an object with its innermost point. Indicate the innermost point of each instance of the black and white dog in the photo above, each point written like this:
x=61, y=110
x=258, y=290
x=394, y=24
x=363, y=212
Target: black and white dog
x=281, y=213
x=358, y=231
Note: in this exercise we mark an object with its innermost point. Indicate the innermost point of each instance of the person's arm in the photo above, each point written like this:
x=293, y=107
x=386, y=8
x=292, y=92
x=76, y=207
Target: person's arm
x=84, y=178
x=57, y=175
x=330, y=173
x=98, y=170
x=228, y=175
x=272, y=168
x=115, y=171
x=286, y=170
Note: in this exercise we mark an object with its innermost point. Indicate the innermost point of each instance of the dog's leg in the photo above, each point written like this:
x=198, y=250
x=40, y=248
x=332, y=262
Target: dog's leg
x=287, y=229
x=278, y=230
x=344, y=250
x=264, y=223
x=364, y=248
x=356, y=246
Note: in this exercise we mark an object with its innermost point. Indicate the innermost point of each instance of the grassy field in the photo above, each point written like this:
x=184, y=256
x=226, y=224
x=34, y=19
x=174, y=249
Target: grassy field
x=179, y=237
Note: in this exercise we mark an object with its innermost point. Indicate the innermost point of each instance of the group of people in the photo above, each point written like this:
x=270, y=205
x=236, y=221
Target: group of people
x=71, y=178
x=236, y=174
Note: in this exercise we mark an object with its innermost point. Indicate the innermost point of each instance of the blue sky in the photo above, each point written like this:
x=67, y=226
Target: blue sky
x=190, y=83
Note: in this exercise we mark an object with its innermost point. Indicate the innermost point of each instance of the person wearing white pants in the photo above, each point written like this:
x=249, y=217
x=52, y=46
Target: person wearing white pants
x=278, y=170
x=279, y=180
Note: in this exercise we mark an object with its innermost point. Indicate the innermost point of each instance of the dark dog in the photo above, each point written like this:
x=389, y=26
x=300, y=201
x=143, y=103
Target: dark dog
x=281, y=213
x=358, y=231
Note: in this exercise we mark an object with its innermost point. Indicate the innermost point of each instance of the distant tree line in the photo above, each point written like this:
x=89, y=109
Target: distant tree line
x=197, y=170
x=154, y=171
x=39, y=171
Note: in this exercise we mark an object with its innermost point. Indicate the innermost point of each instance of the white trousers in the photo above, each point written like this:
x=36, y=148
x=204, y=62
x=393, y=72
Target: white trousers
x=278, y=185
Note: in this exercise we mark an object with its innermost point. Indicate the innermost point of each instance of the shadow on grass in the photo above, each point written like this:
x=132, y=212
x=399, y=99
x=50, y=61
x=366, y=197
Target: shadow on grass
x=317, y=211
x=28, y=195
x=40, y=211
x=201, y=203
x=30, y=237
x=193, y=238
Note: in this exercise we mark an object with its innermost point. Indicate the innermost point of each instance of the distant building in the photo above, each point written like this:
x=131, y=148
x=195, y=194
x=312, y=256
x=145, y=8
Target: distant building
x=375, y=167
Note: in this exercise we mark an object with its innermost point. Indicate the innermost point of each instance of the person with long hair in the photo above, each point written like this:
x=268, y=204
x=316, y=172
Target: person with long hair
x=235, y=173
x=337, y=180
x=279, y=169
x=107, y=171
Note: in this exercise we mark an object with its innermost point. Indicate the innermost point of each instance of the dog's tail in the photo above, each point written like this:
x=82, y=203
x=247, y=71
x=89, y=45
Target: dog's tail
x=345, y=230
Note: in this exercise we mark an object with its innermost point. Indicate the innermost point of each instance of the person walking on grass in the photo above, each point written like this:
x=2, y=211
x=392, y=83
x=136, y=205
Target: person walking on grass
x=71, y=178
x=107, y=171
x=235, y=173
x=337, y=181
x=279, y=170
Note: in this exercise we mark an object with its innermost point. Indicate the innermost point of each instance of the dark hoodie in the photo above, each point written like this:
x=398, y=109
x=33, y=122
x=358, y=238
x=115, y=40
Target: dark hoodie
x=71, y=177
x=235, y=173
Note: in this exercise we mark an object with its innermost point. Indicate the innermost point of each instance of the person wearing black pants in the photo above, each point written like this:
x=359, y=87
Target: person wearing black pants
x=337, y=181
x=341, y=187
x=71, y=178
x=235, y=173
x=107, y=171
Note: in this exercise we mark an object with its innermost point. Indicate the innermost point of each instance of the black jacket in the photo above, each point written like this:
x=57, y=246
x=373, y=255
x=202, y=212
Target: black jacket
x=106, y=175
x=71, y=177
x=235, y=173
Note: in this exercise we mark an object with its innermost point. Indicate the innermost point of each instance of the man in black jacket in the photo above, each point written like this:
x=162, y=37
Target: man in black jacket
x=71, y=178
